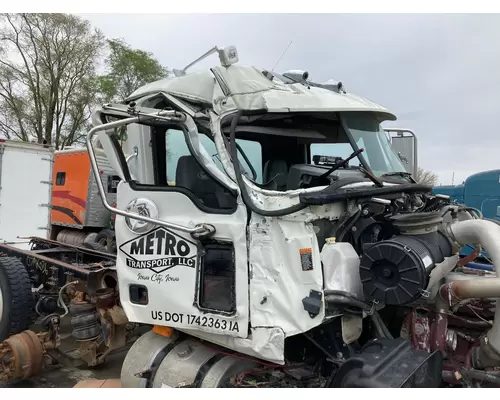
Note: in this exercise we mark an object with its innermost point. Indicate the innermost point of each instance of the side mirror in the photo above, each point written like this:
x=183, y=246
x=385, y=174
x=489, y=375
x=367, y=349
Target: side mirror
x=404, y=143
x=402, y=158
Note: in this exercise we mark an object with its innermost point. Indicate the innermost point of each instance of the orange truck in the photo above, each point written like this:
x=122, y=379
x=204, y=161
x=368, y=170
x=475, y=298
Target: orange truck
x=78, y=216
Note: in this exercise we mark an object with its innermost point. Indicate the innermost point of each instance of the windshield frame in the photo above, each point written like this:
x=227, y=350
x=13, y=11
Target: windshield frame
x=363, y=161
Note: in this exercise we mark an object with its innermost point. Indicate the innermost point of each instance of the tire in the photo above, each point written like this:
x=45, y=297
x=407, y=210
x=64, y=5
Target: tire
x=95, y=246
x=102, y=241
x=105, y=234
x=16, y=297
x=108, y=236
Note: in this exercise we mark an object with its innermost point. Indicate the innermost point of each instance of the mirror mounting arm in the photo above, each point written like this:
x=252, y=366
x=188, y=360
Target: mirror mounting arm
x=134, y=154
x=198, y=230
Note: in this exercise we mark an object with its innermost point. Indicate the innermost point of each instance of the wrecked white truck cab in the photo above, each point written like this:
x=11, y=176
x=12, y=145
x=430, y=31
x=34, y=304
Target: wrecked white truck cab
x=282, y=255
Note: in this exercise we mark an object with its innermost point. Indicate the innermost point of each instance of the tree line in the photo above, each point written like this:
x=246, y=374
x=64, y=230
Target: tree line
x=426, y=177
x=50, y=76
x=50, y=79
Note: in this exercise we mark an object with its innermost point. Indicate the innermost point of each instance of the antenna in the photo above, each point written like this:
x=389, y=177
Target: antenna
x=279, y=59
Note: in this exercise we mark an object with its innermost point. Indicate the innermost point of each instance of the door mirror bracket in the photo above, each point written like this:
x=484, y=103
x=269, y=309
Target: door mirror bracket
x=199, y=230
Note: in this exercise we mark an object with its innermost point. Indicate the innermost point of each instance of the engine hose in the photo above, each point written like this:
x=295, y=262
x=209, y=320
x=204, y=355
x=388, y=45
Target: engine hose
x=343, y=299
x=471, y=257
x=239, y=179
x=480, y=266
x=349, y=225
x=378, y=328
x=478, y=213
x=377, y=320
x=480, y=376
x=60, y=301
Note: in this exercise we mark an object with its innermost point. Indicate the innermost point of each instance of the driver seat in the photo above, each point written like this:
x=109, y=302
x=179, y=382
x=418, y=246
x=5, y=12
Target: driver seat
x=191, y=176
x=276, y=173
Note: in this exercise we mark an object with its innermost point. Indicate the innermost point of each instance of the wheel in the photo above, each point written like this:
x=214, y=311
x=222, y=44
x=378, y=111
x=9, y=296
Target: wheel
x=16, y=297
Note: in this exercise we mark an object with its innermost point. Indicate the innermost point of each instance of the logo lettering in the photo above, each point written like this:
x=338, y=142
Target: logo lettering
x=160, y=242
x=158, y=251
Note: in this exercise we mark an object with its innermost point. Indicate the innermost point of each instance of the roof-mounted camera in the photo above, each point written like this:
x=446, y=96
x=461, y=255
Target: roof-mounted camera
x=227, y=56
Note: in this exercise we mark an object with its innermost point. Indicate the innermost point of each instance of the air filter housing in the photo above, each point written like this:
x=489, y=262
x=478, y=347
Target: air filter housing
x=396, y=271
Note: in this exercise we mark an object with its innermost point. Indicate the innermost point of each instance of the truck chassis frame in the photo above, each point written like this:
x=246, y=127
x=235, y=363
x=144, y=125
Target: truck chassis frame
x=53, y=262
x=82, y=282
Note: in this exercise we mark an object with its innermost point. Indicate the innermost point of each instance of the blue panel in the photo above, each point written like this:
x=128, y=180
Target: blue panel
x=481, y=191
x=456, y=192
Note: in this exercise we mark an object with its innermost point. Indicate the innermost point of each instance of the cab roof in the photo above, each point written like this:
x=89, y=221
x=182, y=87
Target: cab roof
x=238, y=87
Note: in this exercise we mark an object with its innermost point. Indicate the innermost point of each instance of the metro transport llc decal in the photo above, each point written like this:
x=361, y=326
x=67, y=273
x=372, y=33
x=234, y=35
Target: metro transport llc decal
x=159, y=250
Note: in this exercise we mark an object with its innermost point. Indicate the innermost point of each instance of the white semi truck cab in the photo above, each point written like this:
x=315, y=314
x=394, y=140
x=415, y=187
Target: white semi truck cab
x=265, y=223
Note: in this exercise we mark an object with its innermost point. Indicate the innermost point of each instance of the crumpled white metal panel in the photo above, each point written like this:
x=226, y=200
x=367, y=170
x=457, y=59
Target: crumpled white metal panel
x=285, y=265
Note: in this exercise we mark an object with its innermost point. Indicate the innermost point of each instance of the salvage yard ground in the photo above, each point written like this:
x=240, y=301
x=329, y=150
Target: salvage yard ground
x=64, y=377
x=58, y=376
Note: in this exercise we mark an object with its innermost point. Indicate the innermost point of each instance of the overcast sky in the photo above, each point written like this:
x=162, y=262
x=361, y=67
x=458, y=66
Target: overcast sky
x=440, y=74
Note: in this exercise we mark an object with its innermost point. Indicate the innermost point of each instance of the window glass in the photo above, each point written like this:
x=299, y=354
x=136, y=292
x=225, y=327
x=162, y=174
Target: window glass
x=183, y=169
x=367, y=133
x=343, y=150
x=379, y=154
x=177, y=147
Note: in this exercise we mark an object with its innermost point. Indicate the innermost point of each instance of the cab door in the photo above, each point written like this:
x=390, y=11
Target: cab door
x=168, y=274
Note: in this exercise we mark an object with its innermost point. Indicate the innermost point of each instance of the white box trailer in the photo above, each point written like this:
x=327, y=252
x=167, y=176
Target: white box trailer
x=25, y=191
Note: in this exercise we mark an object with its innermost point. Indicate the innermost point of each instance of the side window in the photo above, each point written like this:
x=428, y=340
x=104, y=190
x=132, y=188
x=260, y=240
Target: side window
x=184, y=171
x=60, y=178
x=253, y=153
x=176, y=147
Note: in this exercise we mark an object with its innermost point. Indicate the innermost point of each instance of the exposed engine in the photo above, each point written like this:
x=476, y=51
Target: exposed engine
x=407, y=246
x=399, y=248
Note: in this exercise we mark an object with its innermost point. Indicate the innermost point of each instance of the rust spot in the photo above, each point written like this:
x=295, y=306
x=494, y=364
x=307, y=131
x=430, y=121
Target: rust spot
x=438, y=332
x=420, y=331
x=21, y=356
